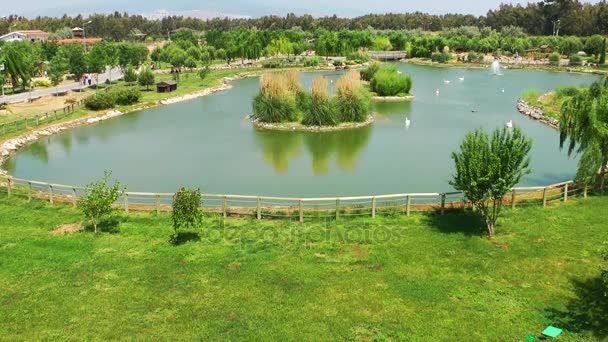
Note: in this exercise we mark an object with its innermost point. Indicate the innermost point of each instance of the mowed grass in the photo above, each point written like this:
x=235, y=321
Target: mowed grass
x=423, y=277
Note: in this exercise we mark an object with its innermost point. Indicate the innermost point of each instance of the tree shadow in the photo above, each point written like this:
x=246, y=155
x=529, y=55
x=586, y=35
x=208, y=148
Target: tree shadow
x=185, y=237
x=109, y=225
x=588, y=312
x=461, y=221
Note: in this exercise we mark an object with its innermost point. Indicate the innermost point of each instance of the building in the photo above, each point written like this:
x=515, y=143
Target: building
x=26, y=36
x=166, y=86
x=78, y=32
x=79, y=41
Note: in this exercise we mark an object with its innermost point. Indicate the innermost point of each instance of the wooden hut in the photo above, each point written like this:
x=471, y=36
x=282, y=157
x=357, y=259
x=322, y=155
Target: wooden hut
x=166, y=86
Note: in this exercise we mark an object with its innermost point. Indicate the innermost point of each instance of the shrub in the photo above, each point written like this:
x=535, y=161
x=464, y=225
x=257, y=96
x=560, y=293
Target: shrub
x=472, y=56
x=353, y=101
x=100, y=101
x=554, y=58
x=319, y=111
x=146, y=78
x=387, y=82
x=130, y=75
x=42, y=83
x=441, y=57
x=359, y=57
x=368, y=73
x=275, y=102
x=98, y=200
x=313, y=61
x=126, y=96
x=576, y=60
x=186, y=210
x=567, y=91
x=337, y=63
x=350, y=62
x=271, y=64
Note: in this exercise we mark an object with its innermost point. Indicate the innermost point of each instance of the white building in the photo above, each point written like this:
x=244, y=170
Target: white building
x=30, y=36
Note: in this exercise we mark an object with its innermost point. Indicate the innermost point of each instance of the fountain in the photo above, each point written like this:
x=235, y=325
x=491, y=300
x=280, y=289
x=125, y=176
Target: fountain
x=495, y=68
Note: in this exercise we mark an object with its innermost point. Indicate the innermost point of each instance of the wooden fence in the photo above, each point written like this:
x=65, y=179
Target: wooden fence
x=261, y=207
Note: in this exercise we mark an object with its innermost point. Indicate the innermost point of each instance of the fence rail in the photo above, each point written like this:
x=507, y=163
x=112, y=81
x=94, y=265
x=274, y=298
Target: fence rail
x=260, y=207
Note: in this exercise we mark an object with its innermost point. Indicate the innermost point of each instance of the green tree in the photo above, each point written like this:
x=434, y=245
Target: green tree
x=584, y=125
x=487, y=168
x=130, y=74
x=98, y=200
x=204, y=72
x=603, y=53
x=57, y=69
x=20, y=61
x=186, y=210
x=190, y=63
x=146, y=78
x=382, y=44
x=178, y=58
x=74, y=53
x=97, y=60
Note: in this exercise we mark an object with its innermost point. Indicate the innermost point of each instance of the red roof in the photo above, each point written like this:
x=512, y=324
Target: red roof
x=79, y=40
x=33, y=33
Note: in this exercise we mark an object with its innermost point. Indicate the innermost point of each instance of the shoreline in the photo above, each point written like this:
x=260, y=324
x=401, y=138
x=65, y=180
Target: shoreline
x=393, y=98
x=298, y=127
x=536, y=114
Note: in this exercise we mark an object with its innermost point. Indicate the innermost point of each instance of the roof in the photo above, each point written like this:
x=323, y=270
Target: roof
x=77, y=29
x=79, y=40
x=30, y=33
x=167, y=83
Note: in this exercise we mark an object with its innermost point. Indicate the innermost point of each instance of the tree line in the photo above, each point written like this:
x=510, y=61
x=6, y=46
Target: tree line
x=541, y=18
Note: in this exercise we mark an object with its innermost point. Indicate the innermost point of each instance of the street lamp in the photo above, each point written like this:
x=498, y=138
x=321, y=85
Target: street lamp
x=84, y=34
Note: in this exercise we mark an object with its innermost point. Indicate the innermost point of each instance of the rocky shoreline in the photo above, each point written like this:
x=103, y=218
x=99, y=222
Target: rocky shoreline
x=297, y=127
x=536, y=113
x=393, y=98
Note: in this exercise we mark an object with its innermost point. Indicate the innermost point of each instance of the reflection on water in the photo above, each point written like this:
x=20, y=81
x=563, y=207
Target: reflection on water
x=278, y=147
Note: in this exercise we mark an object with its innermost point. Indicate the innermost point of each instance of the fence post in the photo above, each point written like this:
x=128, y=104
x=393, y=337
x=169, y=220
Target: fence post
x=337, y=208
x=259, y=208
x=373, y=207
x=157, y=203
x=8, y=187
x=225, y=207
x=51, y=194
x=29, y=192
x=301, y=210
x=74, y=199
x=566, y=192
x=585, y=191
x=545, y=197
x=408, y=206
x=126, y=195
x=442, y=204
x=513, y=194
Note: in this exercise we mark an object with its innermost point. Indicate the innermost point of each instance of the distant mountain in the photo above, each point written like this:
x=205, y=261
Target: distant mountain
x=199, y=14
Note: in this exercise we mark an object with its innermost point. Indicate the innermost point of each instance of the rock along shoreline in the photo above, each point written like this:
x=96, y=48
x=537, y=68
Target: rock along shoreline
x=536, y=113
x=393, y=98
x=297, y=127
x=10, y=146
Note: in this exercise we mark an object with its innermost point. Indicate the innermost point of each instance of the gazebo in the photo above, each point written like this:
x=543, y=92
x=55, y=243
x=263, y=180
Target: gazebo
x=166, y=86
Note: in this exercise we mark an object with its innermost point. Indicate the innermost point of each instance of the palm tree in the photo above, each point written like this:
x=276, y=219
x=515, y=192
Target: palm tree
x=584, y=125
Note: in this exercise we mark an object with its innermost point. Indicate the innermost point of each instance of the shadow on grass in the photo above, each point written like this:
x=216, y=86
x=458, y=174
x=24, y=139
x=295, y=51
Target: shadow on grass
x=109, y=225
x=588, y=312
x=184, y=237
x=465, y=221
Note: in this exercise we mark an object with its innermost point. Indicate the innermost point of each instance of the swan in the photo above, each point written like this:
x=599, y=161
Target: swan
x=503, y=90
x=437, y=92
x=407, y=122
x=510, y=124
x=446, y=82
x=461, y=79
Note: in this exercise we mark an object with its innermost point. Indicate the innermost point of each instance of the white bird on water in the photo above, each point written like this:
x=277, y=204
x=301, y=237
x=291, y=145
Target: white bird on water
x=399, y=72
x=503, y=90
x=407, y=122
x=446, y=81
x=510, y=124
x=437, y=92
x=461, y=79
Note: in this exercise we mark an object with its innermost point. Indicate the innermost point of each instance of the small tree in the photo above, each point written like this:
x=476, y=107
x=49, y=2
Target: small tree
x=554, y=58
x=486, y=169
x=57, y=69
x=146, y=78
x=603, y=52
x=130, y=75
x=204, y=72
x=186, y=210
x=97, y=203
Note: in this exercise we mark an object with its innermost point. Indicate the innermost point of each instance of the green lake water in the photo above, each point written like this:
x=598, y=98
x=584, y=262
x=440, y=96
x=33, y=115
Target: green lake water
x=208, y=142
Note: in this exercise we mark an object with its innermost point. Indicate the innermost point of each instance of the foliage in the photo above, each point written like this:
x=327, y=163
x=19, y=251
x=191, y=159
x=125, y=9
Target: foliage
x=20, y=61
x=319, y=111
x=126, y=96
x=441, y=57
x=97, y=59
x=190, y=63
x=313, y=61
x=353, y=101
x=382, y=44
x=130, y=75
x=186, y=210
x=554, y=58
x=602, y=60
x=368, y=73
x=109, y=99
x=98, y=200
x=487, y=168
x=388, y=82
x=584, y=125
x=271, y=64
x=576, y=59
x=204, y=72
x=57, y=69
x=146, y=78
x=275, y=102
x=359, y=57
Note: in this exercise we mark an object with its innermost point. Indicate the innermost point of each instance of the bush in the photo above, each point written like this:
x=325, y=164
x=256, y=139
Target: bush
x=576, y=60
x=186, y=210
x=126, y=96
x=441, y=57
x=42, y=83
x=313, y=61
x=271, y=64
x=353, y=101
x=368, y=73
x=100, y=101
x=350, y=62
x=98, y=200
x=319, y=111
x=146, y=78
x=554, y=58
x=359, y=57
x=387, y=82
x=130, y=75
x=276, y=101
x=567, y=91
x=337, y=63
x=472, y=56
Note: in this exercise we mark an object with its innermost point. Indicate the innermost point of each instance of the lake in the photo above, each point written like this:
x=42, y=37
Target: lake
x=209, y=142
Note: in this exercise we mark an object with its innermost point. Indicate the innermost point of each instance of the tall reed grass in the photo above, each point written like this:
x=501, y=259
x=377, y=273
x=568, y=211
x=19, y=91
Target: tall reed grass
x=353, y=101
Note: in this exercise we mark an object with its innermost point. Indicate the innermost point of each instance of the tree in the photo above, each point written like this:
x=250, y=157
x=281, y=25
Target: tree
x=178, y=57
x=603, y=53
x=204, y=72
x=487, y=168
x=57, y=68
x=146, y=78
x=584, y=124
x=130, y=74
x=186, y=210
x=20, y=61
x=97, y=60
x=76, y=61
x=98, y=200
x=190, y=63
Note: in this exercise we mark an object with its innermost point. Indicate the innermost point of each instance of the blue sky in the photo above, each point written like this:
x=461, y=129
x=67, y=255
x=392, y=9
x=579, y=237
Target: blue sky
x=254, y=8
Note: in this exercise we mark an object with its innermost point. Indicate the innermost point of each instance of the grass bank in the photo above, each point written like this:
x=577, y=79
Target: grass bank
x=423, y=277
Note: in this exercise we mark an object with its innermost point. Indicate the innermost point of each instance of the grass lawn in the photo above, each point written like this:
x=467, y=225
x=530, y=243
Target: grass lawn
x=423, y=277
